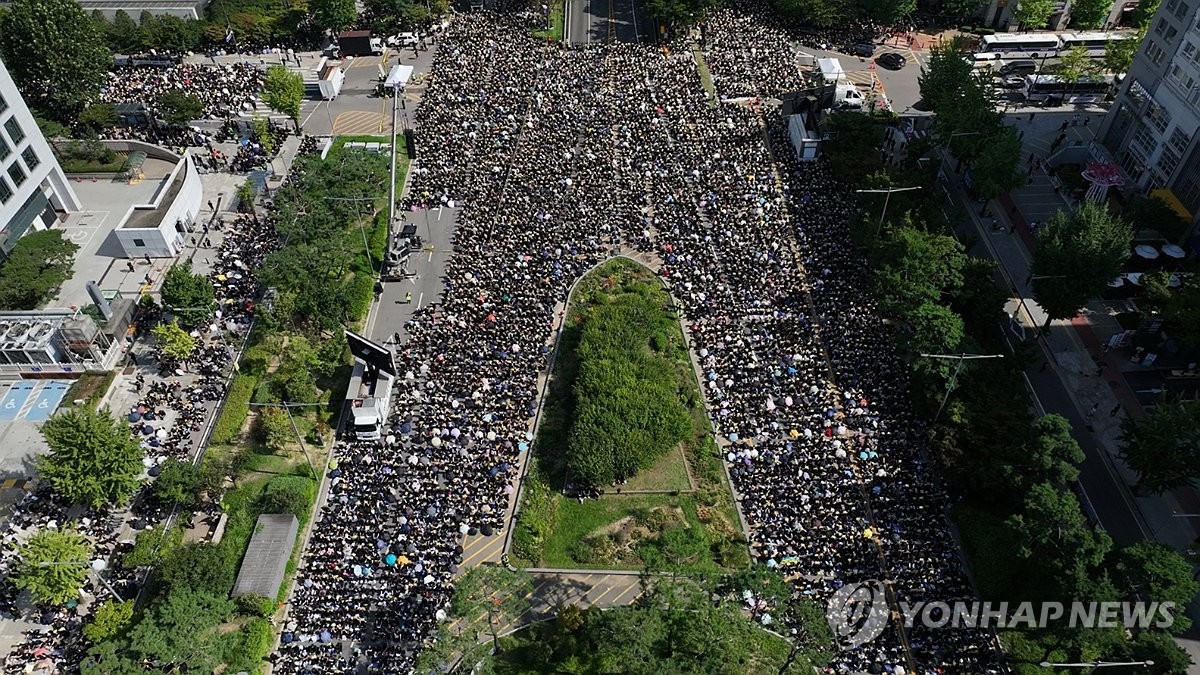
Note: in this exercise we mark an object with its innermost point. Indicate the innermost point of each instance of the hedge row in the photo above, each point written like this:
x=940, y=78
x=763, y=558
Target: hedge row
x=539, y=517
x=237, y=407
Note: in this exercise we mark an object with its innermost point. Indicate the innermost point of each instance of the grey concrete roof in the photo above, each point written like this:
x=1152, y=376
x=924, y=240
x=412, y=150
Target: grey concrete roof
x=267, y=555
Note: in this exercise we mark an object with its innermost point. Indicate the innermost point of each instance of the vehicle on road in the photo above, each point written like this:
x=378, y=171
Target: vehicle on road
x=1045, y=45
x=891, y=61
x=861, y=49
x=371, y=389
x=1049, y=90
x=1012, y=82
x=359, y=43
x=1022, y=67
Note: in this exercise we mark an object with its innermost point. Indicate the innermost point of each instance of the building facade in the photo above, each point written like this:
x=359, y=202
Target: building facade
x=33, y=189
x=1153, y=128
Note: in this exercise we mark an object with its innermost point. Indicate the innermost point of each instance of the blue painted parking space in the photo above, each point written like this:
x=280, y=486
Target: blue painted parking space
x=14, y=400
x=47, y=400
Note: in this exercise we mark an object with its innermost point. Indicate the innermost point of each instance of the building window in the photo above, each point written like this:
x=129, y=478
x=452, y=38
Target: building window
x=6, y=192
x=1179, y=140
x=31, y=158
x=17, y=174
x=3, y=104
x=14, y=130
x=1171, y=33
x=140, y=243
x=1182, y=80
x=1144, y=138
x=1154, y=52
x=1168, y=161
x=5, y=151
x=1158, y=116
x=1189, y=51
x=1182, y=11
x=1160, y=26
x=1133, y=162
x=1172, y=5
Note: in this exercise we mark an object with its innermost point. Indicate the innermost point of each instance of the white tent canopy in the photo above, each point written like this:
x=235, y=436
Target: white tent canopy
x=398, y=76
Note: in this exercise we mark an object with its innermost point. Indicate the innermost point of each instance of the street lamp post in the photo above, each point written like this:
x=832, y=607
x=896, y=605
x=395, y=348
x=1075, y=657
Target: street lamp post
x=98, y=565
x=959, y=358
x=888, y=191
x=1174, y=514
x=1095, y=664
x=942, y=166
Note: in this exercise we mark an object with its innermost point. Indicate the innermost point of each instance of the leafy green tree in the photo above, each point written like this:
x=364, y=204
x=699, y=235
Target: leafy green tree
x=933, y=328
x=1076, y=256
x=187, y=296
x=1056, y=542
x=1143, y=14
x=99, y=116
x=1052, y=457
x=275, y=428
x=819, y=13
x=1076, y=64
x=333, y=15
x=283, y=92
x=172, y=34
x=124, y=35
x=1158, y=646
x=50, y=128
x=1163, y=447
x=198, y=567
x=1152, y=213
x=110, y=658
x=37, y=265
x=179, y=633
x=1159, y=574
x=912, y=266
x=39, y=572
x=111, y=620
x=960, y=10
x=941, y=79
x=290, y=494
x=853, y=151
x=678, y=12
x=178, y=107
x=93, y=460
x=1118, y=54
x=1179, y=307
x=176, y=482
x=996, y=169
x=889, y=12
x=495, y=592
x=60, y=70
x=964, y=102
x=1089, y=14
x=174, y=341
x=1033, y=14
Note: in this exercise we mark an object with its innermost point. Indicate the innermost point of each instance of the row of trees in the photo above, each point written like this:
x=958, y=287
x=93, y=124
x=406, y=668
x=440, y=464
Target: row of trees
x=682, y=623
x=628, y=411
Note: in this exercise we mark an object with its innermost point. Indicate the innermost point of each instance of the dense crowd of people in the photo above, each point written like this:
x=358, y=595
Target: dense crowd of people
x=223, y=90
x=175, y=401
x=598, y=148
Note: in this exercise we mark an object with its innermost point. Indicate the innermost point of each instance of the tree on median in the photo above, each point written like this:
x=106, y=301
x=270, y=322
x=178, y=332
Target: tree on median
x=1158, y=573
x=1056, y=541
x=39, y=572
x=497, y=593
x=93, y=460
x=1076, y=256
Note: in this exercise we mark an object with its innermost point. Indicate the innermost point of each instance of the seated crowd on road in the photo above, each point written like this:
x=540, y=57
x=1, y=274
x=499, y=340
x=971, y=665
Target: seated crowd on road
x=591, y=150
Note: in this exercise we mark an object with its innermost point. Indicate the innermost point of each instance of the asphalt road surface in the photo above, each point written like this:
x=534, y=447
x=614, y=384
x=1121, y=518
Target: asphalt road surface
x=590, y=21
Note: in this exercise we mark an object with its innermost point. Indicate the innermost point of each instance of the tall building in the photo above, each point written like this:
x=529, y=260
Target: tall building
x=1153, y=128
x=33, y=188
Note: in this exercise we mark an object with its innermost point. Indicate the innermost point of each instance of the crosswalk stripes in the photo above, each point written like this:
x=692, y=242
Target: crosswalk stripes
x=864, y=77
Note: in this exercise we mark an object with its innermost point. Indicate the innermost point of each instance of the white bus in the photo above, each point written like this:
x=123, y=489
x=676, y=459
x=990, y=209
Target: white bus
x=1050, y=89
x=1017, y=46
x=1096, y=42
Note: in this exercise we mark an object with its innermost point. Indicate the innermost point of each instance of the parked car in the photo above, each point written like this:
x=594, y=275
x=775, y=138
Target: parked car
x=1022, y=67
x=891, y=61
x=861, y=49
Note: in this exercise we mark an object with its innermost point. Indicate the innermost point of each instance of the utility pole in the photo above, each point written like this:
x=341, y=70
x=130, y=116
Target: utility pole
x=392, y=182
x=889, y=191
x=959, y=358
